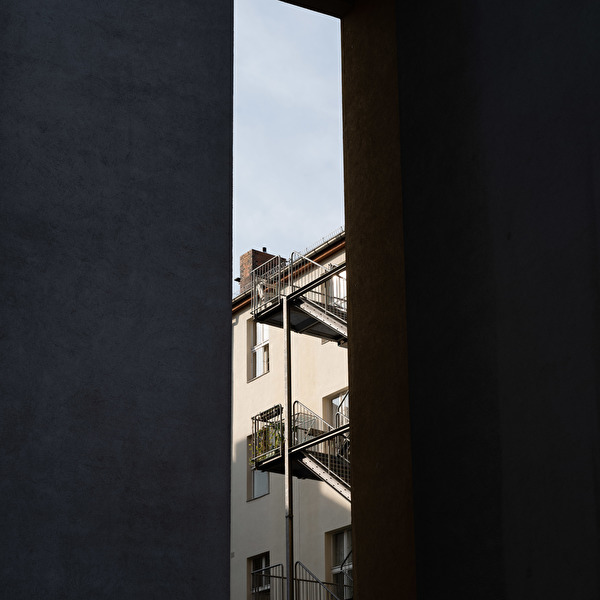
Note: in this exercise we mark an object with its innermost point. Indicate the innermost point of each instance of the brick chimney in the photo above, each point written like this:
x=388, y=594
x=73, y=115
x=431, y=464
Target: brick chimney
x=249, y=262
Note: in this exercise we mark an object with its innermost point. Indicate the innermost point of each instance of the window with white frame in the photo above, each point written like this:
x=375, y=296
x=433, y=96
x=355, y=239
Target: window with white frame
x=260, y=582
x=259, y=349
x=341, y=562
x=258, y=481
x=337, y=409
x=335, y=289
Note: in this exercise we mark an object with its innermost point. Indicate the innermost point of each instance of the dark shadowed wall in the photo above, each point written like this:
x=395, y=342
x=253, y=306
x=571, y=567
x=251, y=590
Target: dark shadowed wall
x=498, y=202
x=501, y=197
x=115, y=192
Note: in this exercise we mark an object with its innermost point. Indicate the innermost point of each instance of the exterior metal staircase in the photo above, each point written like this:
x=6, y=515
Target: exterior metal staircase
x=306, y=297
x=317, y=465
x=317, y=295
x=320, y=451
x=318, y=310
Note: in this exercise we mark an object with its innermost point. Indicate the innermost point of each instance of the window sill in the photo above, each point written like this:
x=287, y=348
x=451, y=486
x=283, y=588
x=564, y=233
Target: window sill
x=257, y=497
x=257, y=377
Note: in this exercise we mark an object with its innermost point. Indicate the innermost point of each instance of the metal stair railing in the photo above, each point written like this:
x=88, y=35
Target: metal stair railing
x=304, y=271
x=268, y=583
x=328, y=303
x=325, y=474
x=330, y=317
x=327, y=454
x=307, y=424
x=309, y=587
x=333, y=454
x=278, y=277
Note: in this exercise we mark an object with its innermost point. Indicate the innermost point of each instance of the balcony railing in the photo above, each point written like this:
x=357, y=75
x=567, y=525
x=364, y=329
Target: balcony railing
x=268, y=434
x=278, y=277
x=309, y=587
x=269, y=583
x=267, y=282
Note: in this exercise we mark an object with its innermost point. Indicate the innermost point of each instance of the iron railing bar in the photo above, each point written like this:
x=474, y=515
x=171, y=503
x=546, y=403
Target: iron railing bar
x=312, y=413
x=339, y=431
x=340, y=414
x=331, y=472
x=344, y=562
x=301, y=256
x=318, y=281
x=315, y=578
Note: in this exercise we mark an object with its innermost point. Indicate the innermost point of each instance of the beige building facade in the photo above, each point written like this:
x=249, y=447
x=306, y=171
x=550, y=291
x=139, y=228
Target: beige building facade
x=319, y=380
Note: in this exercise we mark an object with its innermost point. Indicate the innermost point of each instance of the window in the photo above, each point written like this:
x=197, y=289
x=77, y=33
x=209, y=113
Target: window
x=337, y=409
x=259, y=349
x=335, y=288
x=258, y=481
x=260, y=581
x=341, y=562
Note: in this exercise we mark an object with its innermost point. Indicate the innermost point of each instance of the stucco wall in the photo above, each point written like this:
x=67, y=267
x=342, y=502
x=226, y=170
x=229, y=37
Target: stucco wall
x=115, y=183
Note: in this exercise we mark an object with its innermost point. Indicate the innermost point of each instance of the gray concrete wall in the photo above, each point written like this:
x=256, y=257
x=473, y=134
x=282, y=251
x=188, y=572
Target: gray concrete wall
x=115, y=192
x=501, y=203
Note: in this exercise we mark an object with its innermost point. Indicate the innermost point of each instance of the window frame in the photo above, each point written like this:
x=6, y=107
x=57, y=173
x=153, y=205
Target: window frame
x=328, y=405
x=265, y=558
x=256, y=347
x=252, y=474
x=335, y=570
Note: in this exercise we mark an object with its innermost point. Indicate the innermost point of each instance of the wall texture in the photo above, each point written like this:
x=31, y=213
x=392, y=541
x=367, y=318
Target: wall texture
x=115, y=171
x=476, y=382
x=382, y=519
x=501, y=204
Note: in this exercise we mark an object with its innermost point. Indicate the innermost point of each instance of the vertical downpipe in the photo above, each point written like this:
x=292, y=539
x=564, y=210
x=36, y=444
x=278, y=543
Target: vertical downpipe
x=289, y=490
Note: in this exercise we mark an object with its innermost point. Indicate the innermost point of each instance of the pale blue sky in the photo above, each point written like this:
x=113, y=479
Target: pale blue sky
x=288, y=182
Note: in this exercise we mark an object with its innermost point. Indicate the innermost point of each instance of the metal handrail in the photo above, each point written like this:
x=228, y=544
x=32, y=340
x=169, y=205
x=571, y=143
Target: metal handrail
x=299, y=266
x=310, y=587
x=333, y=305
x=344, y=562
x=278, y=277
x=302, y=417
x=333, y=454
x=299, y=256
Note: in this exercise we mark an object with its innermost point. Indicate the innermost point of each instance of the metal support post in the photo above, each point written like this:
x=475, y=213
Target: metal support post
x=289, y=489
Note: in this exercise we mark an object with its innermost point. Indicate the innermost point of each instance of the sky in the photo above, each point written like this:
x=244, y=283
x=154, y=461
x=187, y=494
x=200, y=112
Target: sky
x=287, y=146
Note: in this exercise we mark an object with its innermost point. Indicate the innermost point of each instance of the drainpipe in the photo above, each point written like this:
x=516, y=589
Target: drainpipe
x=289, y=490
